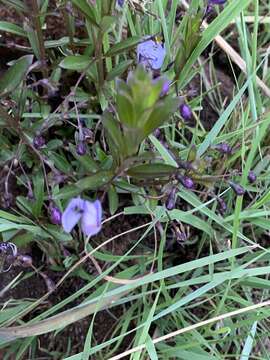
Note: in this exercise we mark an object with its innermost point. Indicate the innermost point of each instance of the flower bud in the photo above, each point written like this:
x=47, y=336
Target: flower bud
x=222, y=208
x=165, y=87
x=238, y=189
x=187, y=182
x=216, y=2
x=55, y=215
x=120, y=2
x=38, y=141
x=185, y=112
x=170, y=203
x=224, y=148
x=252, y=177
x=81, y=148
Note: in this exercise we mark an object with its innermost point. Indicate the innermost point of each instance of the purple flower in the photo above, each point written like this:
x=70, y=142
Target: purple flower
x=151, y=54
x=120, y=2
x=88, y=213
x=38, y=141
x=185, y=112
x=55, y=214
x=252, y=177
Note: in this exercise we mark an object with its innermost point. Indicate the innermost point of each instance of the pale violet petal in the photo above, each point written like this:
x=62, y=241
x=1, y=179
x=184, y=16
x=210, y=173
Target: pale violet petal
x=151, y=53
x=72, y=213
x=91, y=219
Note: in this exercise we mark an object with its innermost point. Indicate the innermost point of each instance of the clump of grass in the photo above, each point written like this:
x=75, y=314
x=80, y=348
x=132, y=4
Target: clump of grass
x=105, y=124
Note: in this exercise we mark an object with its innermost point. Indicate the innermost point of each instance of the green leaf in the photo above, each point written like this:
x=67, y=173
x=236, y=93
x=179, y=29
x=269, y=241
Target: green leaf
x=12, y=28
x=160, y=114
x=124, y=46
x=125, y=109
x=39, y=193
x=15, y=74
x=95, y=181
x=107, y=22
x=113, y=200
x=67, y=192
x=86, y=160
x=151, y=171
x=118, y=70
x=87, y=10
x=75, y=62
x=231, y=11
x=17, y=4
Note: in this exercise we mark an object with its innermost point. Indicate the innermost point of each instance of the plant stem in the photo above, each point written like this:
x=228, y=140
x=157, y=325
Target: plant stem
x=37, y=26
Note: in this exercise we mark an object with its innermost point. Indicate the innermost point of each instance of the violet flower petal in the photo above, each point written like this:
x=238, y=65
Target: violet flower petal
x=91, y=219
x=73, y=213
x=151, y=53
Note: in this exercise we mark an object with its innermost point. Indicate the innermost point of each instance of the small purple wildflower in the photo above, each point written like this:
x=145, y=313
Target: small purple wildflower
x=185, y=112
x=151, y=54
x=38, y=141
x=238, y=189
x=252, y=177
x=81, y=148
x=120, y=2
x=187, y=182
x=224, y=148
x=55, y=215
x=88, y=213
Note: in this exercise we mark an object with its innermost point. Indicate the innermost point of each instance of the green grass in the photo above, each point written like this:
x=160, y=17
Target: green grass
x=206, y=299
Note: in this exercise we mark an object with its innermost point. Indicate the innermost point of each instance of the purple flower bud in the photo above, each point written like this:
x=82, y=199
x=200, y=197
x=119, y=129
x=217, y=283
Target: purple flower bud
x=55, y=215
x=157, y=133
x=185, y=112
x=216, y=2
x=165, y=85
x=120, y=2
x=38, y=141
x=81, y=148
x=224, y=148
x=170, y=203
x=222, y=208
x=187, y=182
x=252, y=177
x=238, y=189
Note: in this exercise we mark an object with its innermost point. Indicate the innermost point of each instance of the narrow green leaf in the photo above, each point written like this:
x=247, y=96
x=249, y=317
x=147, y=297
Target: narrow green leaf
x=15, y=74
